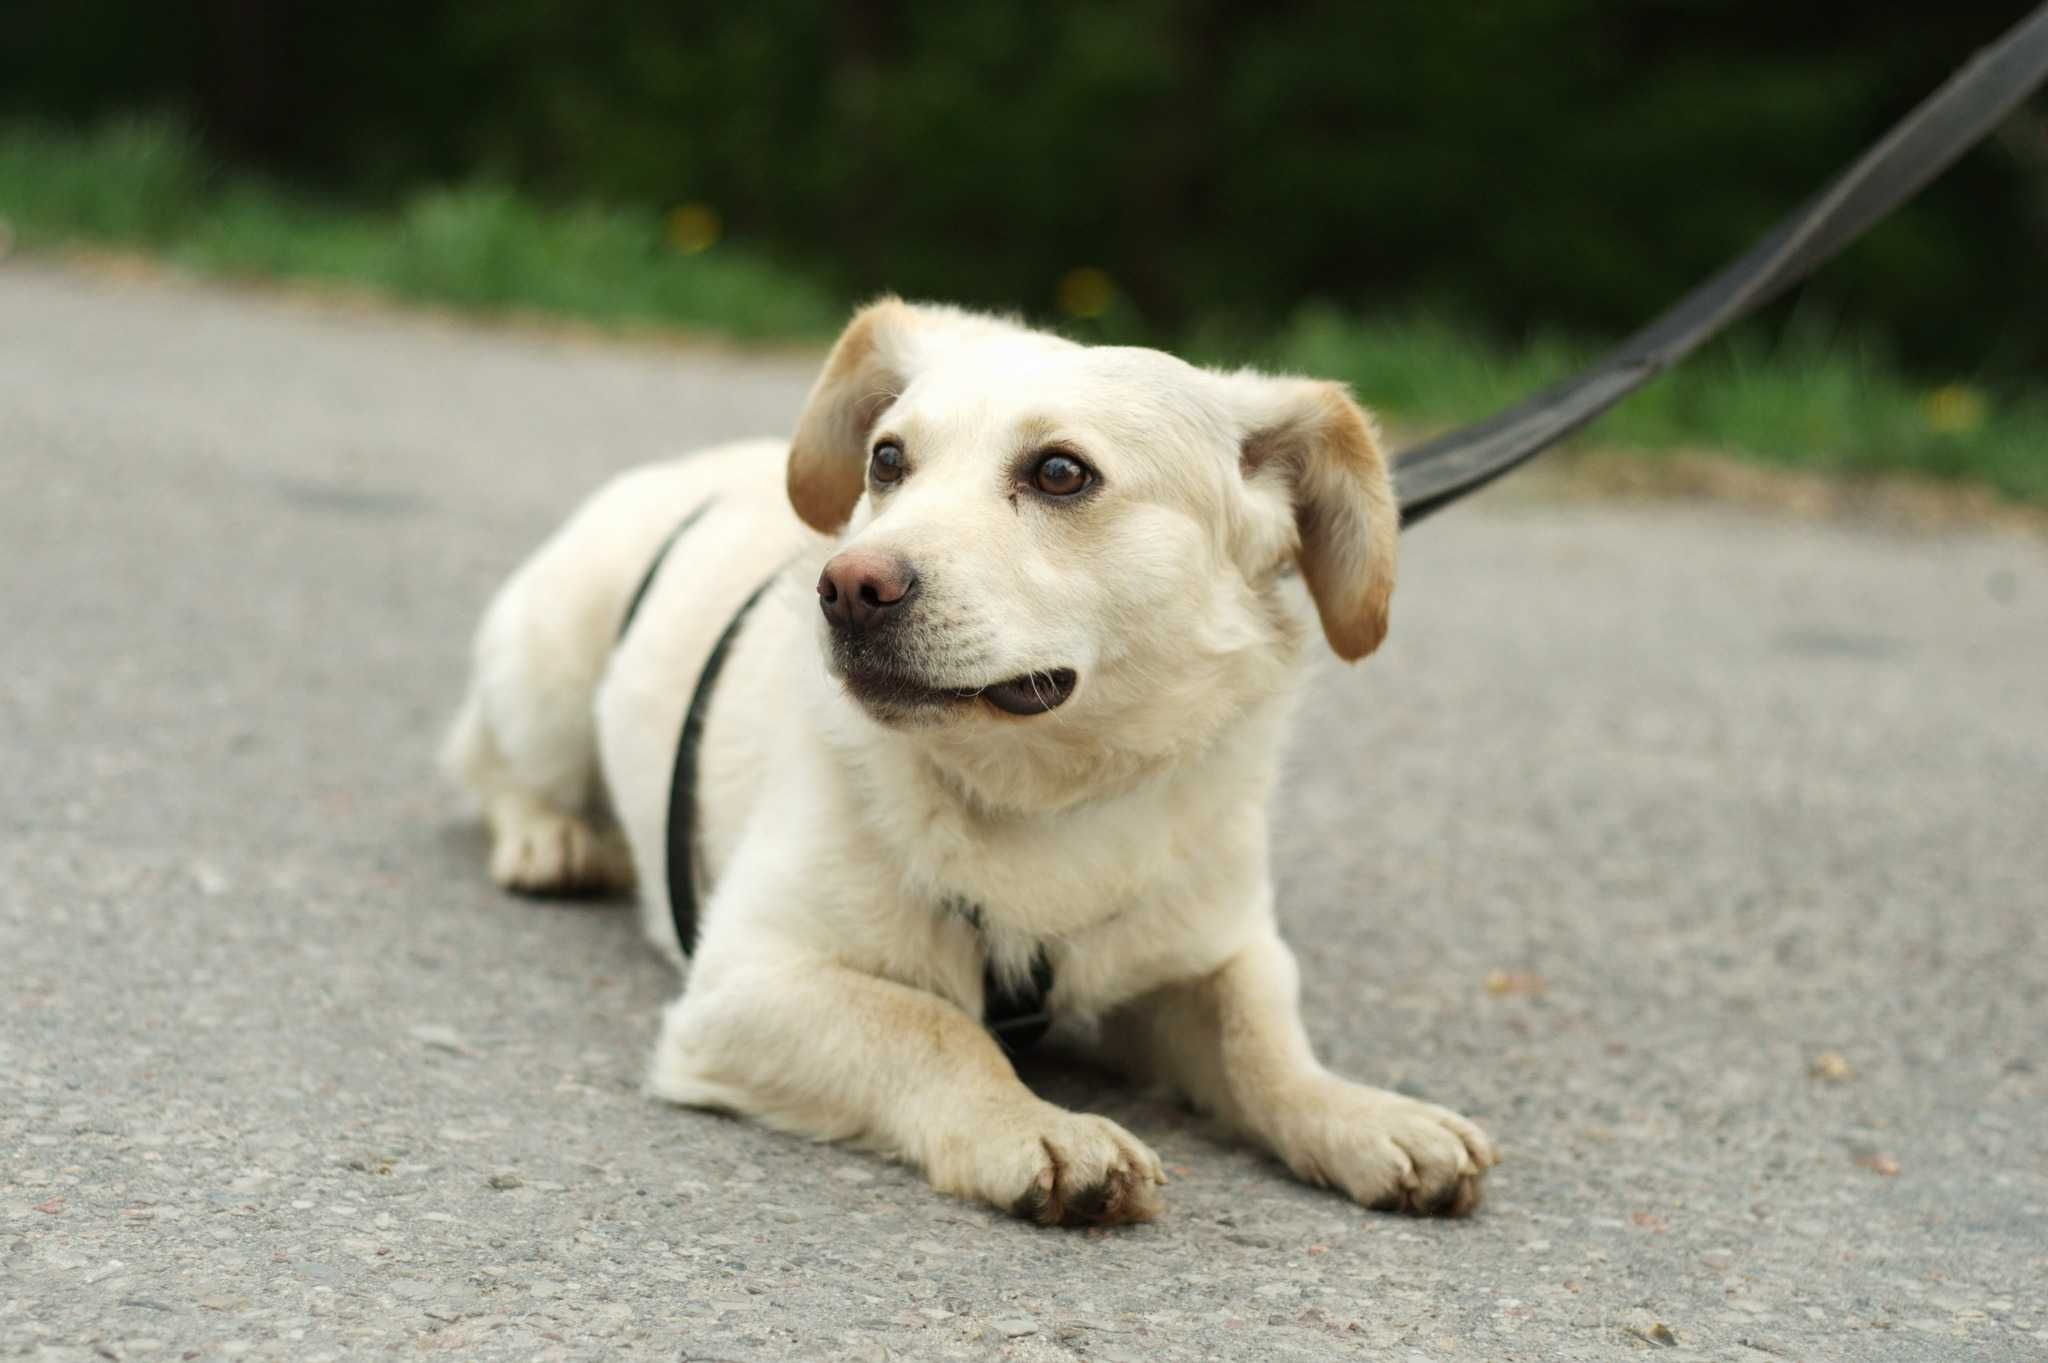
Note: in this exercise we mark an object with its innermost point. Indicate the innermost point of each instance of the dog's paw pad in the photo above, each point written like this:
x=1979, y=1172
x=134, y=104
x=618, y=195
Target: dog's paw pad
x=1091, y=1173
x=1061, y=1169
x=556, y=854
x=1391, y=1153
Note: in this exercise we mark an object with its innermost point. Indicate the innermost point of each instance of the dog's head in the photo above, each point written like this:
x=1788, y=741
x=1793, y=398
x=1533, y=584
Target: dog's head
x=1039, y=533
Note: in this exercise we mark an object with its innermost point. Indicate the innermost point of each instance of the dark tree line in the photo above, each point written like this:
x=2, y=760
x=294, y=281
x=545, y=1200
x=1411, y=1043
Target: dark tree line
x=1566, y=163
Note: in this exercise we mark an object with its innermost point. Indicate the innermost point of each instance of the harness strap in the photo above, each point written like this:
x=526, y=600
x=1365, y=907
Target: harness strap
x=682, y=783
x=1018, y=1017
x=1016, y=1014
x=653, y=567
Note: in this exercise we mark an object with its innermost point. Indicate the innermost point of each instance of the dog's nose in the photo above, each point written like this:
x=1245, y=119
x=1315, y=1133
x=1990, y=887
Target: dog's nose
x=859, y=588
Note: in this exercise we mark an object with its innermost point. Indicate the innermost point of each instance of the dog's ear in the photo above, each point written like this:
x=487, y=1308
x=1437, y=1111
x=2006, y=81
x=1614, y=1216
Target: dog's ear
x=1326, y=449
x=872, y=363
x=866, y=371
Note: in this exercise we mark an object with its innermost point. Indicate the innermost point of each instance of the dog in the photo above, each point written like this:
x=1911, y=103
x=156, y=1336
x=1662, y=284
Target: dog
x=1005, y=640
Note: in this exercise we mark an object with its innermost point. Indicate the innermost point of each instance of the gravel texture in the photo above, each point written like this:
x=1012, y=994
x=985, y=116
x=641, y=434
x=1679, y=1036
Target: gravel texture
x=1700, y=856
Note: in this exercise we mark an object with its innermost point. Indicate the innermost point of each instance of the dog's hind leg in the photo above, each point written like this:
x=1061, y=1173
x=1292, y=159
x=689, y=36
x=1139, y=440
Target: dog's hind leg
x=539, y=850
x=537, y=846
x=524, y=743
x=524, y=747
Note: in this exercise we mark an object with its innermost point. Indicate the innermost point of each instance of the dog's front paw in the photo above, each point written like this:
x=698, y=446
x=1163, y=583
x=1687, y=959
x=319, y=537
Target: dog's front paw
x=1388, y=1152
x=1057, y=1168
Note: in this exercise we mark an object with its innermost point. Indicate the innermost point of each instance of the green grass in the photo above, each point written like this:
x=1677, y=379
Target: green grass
x=148, y=185
x=1801, y=401
x=1804, y=400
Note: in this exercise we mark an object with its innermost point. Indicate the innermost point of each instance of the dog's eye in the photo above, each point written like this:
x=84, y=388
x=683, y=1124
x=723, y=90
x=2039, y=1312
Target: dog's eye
x=1061, y=475
x=886, y=464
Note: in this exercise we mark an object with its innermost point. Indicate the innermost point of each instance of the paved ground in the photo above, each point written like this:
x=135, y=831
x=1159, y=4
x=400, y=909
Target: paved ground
x=1641, y=811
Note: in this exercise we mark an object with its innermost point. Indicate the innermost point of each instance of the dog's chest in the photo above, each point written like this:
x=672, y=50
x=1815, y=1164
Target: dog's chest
x=1118, y=897
x=1043, y=876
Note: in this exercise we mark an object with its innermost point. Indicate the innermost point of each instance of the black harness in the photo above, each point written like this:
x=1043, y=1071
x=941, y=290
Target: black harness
x=1016, y=1013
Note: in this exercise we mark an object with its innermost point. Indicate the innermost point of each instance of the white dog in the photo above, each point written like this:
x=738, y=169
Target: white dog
x=1017, y=766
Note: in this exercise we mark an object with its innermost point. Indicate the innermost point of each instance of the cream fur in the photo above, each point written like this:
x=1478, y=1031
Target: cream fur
x=831, y=993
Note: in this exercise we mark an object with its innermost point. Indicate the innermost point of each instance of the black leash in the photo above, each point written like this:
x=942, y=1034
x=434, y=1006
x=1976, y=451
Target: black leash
x=1017, y=1014
x=1950, y=121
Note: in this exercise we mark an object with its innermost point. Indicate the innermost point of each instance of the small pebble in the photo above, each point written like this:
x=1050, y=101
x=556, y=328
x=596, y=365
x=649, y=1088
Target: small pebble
x=441, y=1038
x=503, y=1181
x=1510, y=983
x=1832, y=1067
x=1015, y=1327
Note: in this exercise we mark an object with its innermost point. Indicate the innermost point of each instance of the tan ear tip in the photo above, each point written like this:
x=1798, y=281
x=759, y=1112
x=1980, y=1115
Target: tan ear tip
x=1357, y=635
x=814, y=497
x=883, y=309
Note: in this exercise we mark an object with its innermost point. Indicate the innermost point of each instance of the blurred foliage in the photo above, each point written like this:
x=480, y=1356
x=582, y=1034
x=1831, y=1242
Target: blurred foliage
x=1524, y=164
x=149, y=184
x=1812, y=398
x=1805, y=398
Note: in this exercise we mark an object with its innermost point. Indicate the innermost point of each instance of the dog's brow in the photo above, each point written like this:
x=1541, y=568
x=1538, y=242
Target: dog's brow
x=1037, y=430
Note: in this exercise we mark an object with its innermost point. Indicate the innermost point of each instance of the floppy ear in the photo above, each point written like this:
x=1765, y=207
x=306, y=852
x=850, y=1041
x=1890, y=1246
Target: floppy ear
x=1327, y=449
x=865, y=372
x=870, y=365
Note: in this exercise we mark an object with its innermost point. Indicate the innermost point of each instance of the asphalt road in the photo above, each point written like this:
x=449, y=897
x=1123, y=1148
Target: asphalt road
x=1642, y=811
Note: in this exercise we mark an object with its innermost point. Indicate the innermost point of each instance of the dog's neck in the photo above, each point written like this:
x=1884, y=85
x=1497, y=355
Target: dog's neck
x=1048, y=856
x=1049, y=764
x=1055, y=823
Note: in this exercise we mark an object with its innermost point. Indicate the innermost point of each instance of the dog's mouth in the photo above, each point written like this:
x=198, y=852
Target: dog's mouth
x=891, y=693
x=1034, y=693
